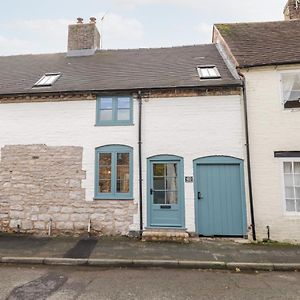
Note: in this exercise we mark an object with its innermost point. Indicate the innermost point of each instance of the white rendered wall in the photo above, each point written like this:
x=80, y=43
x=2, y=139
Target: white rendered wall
x=271, y=129
x=190, y=127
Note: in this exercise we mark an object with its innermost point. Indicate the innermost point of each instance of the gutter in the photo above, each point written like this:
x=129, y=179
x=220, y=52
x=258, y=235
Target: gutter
x=119, y=91
x=139, y=96
x=248, y=156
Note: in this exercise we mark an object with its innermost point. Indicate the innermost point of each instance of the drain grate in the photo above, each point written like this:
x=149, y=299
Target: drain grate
x=82, y=249
x=39, y=288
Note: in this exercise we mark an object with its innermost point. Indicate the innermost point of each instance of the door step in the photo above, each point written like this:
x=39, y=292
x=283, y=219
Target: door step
x=165, y=235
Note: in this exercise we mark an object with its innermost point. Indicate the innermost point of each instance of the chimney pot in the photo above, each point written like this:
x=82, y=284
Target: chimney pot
x=292, y=10
x=79, y=20
x=93, y=20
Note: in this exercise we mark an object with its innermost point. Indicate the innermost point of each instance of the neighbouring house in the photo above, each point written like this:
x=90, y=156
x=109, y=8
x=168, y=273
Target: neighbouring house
x=267, y=55
x=121, y=141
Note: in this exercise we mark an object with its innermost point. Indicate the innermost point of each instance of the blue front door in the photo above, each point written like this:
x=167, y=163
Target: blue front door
x=220, y=199
x=165, y=192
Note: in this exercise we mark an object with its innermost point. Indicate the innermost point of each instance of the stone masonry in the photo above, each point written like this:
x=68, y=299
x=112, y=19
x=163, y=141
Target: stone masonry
x=41, y=185
x=292, y=10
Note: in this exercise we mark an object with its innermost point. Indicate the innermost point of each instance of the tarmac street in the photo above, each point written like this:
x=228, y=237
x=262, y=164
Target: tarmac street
x=59, y=283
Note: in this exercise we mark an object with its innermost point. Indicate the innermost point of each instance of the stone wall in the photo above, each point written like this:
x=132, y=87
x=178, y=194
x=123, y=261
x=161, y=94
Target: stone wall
x=40, y=183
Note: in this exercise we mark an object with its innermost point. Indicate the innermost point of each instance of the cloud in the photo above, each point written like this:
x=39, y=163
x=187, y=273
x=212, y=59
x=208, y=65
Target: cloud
x=38, y=35
x=205, y=32
x=50, y=35
x=117, y=30
x=10, y=46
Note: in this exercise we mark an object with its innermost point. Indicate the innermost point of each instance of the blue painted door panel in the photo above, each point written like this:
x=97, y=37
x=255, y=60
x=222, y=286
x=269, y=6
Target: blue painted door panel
x=220, y=209
x=165, y=194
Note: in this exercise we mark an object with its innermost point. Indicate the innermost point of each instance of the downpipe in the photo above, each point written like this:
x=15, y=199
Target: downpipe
x=140, y=104
x=248, y=156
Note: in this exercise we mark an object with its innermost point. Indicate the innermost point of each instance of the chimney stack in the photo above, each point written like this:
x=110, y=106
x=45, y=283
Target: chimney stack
x=292, y=10
x=83, y=38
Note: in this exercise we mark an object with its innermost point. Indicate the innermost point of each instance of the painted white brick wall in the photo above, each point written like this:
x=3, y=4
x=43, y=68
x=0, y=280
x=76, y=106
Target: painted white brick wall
x=190, y=127
x=271, y=129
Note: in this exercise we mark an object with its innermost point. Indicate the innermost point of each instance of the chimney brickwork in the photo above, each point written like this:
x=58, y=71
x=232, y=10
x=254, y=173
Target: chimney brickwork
x=292, y=10
x=83, y=38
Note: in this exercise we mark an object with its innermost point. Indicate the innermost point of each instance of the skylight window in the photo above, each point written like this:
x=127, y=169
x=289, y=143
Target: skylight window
x=47, y=80
x=208, y=72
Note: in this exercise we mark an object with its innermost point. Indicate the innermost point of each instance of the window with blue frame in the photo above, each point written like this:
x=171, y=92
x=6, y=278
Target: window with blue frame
x=114, y=172
x=114, y=111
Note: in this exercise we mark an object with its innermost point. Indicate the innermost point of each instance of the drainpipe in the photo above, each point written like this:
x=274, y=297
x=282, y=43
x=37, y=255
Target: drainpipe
x=139, y=96
x=248, y=156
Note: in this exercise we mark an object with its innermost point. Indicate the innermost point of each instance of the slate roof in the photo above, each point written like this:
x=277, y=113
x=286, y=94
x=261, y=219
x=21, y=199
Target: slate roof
x=264, y=43
x=114, y=70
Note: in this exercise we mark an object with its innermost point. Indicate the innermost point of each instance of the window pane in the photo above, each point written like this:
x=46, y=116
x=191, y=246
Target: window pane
x=123, y=166
x=204, y=72
x=122, y=186
x=105, y=159
x=298, y=205
x=106, y=103
x=289, y=192
x=171, y=184
x=51, y=79
x=104, y=186
x=158, y=197
x=43, y=81
x=158, y=169
x=158, y=183
x=297, y=167
x=290, y=205
x=105, y=115
x=172, y=198
x=297, y=179
x=122, y=172
x=212, y=72
x=294, y=95
x=290, y=84
x=46, y=80
x=123, y=114
x=105, y=172
x=287, y=166
x=288, y=180
x=171, y=170
x=124, y=102
x=123, y=159
x=297, y=192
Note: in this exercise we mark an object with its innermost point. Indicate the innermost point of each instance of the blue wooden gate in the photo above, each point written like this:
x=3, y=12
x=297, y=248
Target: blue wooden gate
x=220, y=196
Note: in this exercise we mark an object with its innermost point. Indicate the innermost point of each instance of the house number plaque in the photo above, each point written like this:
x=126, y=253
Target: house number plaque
x=189, y=179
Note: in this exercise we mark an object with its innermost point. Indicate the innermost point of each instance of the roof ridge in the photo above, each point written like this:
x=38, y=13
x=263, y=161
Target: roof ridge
x=258, y=22
x=112, y=50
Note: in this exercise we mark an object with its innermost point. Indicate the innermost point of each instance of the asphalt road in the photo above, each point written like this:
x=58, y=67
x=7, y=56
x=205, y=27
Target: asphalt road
x=88, y=283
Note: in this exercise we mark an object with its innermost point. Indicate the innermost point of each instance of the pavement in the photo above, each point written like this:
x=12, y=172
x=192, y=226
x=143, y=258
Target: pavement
x=128, y=252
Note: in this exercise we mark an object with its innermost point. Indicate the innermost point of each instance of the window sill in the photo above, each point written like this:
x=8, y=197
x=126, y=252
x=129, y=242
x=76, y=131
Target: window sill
x=112, y=124
x=292, y=215
x=113, y=199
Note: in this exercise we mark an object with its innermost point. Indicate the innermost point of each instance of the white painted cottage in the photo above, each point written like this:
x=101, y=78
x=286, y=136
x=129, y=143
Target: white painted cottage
x=122, y=141
x=267, y=55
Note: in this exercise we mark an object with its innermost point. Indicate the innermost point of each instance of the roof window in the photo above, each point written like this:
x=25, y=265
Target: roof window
x=208, y=72
x=48, y=79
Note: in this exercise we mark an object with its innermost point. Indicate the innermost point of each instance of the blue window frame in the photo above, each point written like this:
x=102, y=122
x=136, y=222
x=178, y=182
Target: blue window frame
x=114, y=172
x=112, y=111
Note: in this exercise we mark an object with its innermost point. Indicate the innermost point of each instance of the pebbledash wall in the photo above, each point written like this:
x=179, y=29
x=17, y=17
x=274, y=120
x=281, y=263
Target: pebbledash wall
x=271, y=128
x=48, y=156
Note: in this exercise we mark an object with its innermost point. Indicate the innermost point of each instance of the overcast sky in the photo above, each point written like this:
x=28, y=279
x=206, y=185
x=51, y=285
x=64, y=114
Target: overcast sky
x=40, y=26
